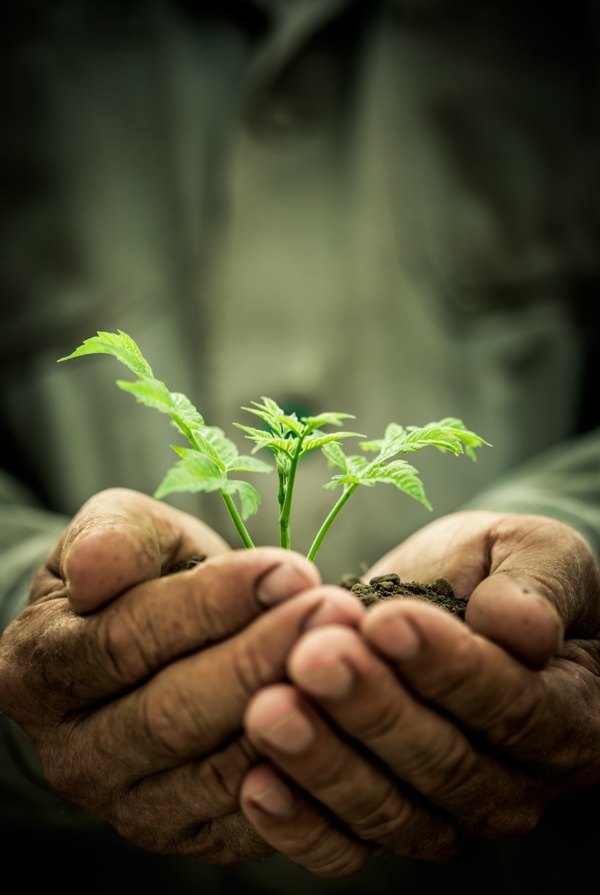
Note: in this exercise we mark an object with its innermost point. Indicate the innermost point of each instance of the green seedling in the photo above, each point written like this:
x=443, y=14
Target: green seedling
x=211, y=458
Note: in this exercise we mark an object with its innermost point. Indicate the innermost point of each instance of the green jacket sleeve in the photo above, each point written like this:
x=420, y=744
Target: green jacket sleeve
x=563, y=483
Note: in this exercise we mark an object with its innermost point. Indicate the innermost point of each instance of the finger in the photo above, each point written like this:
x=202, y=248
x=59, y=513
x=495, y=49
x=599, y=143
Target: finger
x=367, y=802
x=297, y=827
x=118, y=539
x=546, y=720
x=421, y=746
x=528, y=579
x=81, y=660
x=191, y=707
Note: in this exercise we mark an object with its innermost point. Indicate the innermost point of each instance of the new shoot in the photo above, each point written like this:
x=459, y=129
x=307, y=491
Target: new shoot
x=210, y=459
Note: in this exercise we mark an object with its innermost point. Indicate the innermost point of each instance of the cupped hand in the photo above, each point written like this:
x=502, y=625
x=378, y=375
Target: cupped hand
x=529, y=580
x=132, y=683
x=420, y=732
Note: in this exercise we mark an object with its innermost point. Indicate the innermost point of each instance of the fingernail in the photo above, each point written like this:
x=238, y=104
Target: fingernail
x=332, y=612
x=397, y=639
x=276, y=799
x=280, y=583
x=292, y=733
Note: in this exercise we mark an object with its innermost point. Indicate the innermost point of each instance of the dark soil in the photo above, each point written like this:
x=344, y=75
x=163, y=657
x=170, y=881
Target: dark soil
x=383, y=587
x=390, y=587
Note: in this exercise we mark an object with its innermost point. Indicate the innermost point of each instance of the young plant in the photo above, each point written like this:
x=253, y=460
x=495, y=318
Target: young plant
x=211, y=457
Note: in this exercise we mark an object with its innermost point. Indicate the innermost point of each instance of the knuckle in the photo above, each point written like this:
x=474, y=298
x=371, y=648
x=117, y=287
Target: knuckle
x=223, y=841
x=171, y=721
x=331, y=776
x=124, y=647
x=382, y=822
x=346, y=861
x=325, y=853
x=381, y=721
x=447, y=767
x=398, y=826
x=253, y=666
x=223, y=772
x=221, y=596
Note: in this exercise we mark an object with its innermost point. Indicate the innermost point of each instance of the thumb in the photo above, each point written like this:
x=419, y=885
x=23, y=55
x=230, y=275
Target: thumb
x=121, y=538
x=544, y=585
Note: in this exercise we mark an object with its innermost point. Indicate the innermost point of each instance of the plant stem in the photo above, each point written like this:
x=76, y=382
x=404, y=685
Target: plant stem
x=237, y=519
x=327, y=524
x=285, y=538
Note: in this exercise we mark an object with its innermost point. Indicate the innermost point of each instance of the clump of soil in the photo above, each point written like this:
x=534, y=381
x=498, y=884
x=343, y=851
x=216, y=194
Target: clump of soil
x=382, y=587
x=390, y=587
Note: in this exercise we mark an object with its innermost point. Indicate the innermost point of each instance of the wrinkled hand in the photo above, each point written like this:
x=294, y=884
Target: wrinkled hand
x=442, y=731
x=132, y=683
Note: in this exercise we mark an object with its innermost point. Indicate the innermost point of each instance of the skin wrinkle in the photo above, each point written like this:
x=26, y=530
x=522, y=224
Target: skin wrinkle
x=242, y=659
x=196, y=827
x=450, y=550
x=451, y=774
x=344, y=863
x=494, y=717
x=452, y=689
x=171, y=722
x=577, y=653
x=320, y=782
x=384, y=821
x=223, y=841
x=126, y=628
x=338, y=867
x=132, y=664
x=389, y=719
x=207, y=614
x=202, y=777
x=251, y=668
x=227, y=780
x=532, y=535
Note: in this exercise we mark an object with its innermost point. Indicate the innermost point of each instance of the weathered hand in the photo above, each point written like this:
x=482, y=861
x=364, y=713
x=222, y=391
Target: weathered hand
x=132, y=684
x=529, y=579
x=439, y=734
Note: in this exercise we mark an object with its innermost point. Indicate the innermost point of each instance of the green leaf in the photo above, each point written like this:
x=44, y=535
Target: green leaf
x=335, y=455
x=330, y=418
x=243, y=463
x=205, y=465
x=262, y=439
x=119, y=345
x=193, y=472
x=249, y=496
x=154, y=393
x=312, y=442
x=447, y=435
x=274, y=416
x=454, y=438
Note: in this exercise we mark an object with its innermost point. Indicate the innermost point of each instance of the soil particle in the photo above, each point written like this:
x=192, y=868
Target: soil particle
x=390, y=587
